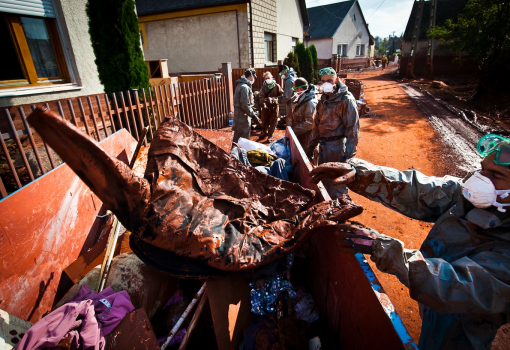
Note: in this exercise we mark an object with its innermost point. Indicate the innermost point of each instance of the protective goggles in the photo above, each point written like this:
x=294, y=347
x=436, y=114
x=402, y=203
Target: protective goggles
x=495, y=143
x=327, y=71
x=294, y=88
x=283, y=72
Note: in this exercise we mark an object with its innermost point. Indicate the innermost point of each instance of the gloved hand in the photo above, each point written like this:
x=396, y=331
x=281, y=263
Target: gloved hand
x=343, y=173
x=354, y=237
x=309, y=151
x=256, y=119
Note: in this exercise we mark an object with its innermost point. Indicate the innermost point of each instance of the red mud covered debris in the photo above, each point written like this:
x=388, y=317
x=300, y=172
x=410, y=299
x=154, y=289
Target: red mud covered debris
x=196, y=203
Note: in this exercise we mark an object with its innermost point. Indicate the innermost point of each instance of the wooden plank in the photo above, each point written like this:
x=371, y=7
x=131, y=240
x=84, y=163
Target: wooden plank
x=194, y=320
x=200, y=100
x=73, y=115
x=31, y=138
x=140, y=116
x=60, y=110
x=224, y=99
x=101, y=114
x=117, y=110
x=46, y=147
x=189, y=104
x=169, y=101
x=229, y=299
x=3, y=191
x=82, y=111
x=9, y=162
x=196, y=109
x=124, y=110
x=212, y=101
x=93, y=116
x=162, y=102
x=18, y=143
x=207, y=102
x=110, y=112
x=133, y=117
x=154, y=109
x=62, y=211
x=147, y=112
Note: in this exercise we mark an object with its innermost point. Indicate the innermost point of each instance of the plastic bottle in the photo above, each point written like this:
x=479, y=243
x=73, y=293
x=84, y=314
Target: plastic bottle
x=362, y=96
x=230, y=118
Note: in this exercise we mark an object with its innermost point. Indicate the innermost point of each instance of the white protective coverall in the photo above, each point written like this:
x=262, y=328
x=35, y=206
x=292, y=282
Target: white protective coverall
x=461, y=274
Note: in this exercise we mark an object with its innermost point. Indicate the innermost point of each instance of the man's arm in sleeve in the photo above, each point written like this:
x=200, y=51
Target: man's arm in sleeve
x=246, y=105
x=408, y=192
x=351, y=122
x=307, y=124
x=287, y=90
x=469, y=285
x=315, y=136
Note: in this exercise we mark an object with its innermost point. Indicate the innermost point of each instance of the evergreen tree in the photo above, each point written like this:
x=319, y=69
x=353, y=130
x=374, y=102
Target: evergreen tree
x=315, y=59
x=115, y=36
x=292, y=61
x=305, y=61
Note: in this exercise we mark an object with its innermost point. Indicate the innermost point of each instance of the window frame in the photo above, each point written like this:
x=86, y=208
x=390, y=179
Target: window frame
x=13, y=22
x=269, y=50
x=360, y=50
x=342, y=46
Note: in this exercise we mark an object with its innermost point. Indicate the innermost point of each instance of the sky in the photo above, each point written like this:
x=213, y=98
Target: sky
x=383, y=16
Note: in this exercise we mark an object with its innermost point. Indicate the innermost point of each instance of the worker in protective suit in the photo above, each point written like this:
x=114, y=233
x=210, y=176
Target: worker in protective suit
x=336, y=127
x=270, y=88
x=305, y=108
x=243, y=106
x=288, y=76
x=461, y=274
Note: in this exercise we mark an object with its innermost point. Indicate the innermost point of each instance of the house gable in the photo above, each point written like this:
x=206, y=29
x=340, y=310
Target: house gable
x=352, y=32
x=325, y=20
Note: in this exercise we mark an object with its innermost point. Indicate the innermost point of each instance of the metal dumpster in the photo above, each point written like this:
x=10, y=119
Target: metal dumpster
x=49, y=223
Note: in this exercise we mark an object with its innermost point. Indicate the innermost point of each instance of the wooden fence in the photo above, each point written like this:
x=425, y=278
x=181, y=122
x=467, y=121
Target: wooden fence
x=25, y=156
x=238, y=72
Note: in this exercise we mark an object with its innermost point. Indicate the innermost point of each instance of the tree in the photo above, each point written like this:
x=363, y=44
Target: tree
x=382, y=46
x=315, y=60
x=292, y=61
x=305, y=61
x=115, y=36
x=482, y=31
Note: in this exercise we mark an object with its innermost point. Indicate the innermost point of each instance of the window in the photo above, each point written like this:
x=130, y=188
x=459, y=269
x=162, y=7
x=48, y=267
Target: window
x=32, y=52
x=294, y=43
x=341, y=49
x=268, y=47
x=360, y=50
x=354, y=18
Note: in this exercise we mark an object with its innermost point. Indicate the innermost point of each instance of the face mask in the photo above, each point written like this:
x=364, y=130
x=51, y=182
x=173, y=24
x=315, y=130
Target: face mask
x=328, y=87
x=284, y=76
x=269, y=81
x=480, y=191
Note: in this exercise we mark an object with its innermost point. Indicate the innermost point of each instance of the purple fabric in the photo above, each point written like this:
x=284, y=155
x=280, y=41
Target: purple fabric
x=84, y=319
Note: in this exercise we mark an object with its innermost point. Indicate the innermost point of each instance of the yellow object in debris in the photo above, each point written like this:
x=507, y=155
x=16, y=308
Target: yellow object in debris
x=260, y=158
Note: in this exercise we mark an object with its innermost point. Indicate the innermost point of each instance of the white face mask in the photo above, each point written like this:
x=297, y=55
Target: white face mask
x=328, y=87
x=284, y=76
x=269, y=81
x=480, y=191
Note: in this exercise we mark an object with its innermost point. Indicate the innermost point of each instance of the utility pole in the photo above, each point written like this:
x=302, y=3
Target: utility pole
x=414, y=42
x=429, y=66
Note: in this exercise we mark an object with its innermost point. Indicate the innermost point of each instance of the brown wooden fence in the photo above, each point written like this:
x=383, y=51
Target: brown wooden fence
x=25, y=156
x=238, y=72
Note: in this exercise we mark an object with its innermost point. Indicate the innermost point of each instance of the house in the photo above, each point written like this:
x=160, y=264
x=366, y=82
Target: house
x=47, y=53
x=393, y=45
x=339, y=29
x=198, y=35
x=445, y=62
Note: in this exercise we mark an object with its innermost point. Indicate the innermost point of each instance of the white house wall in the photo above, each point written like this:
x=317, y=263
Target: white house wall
x=348, y=31
x=73, y=31
x=290, y=25
x=196, y=43
x=323, y=47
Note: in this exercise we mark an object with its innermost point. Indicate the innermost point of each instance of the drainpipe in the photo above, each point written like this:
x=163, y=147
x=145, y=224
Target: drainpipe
x=251, y=35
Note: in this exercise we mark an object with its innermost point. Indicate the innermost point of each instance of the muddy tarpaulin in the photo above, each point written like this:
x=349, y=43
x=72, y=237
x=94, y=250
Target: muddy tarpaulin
x=196, y=208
